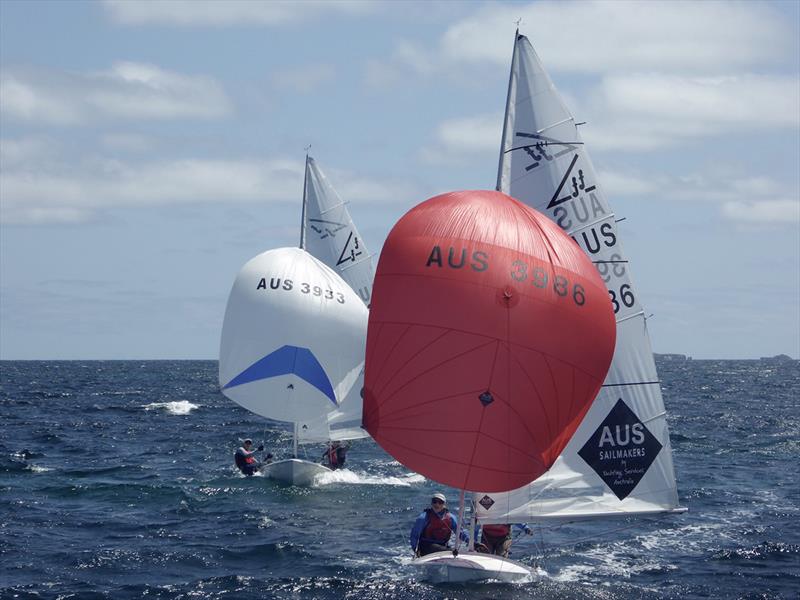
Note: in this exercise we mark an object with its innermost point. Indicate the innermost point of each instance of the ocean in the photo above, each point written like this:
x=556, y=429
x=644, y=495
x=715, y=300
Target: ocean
x=117, y=481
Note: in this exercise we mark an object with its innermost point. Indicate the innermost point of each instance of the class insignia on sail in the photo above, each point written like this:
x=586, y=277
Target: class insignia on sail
x=489, y=336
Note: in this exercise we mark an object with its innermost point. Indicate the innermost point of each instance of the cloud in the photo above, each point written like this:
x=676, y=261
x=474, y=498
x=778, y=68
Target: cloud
x=64, y=191
x=465, y=138
x=594, y=36
x=304, y=79
x=743, y=200
x=221, y=13
x=126, y=91
x=763, y=211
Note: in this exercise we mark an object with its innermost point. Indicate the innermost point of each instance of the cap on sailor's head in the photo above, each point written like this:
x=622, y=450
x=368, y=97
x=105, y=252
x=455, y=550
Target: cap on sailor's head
x=439, y=496
x=248, y=441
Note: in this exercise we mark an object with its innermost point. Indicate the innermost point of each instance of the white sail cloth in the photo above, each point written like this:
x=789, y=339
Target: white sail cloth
x=293, y=342
x=330, y=235
x=619, y=461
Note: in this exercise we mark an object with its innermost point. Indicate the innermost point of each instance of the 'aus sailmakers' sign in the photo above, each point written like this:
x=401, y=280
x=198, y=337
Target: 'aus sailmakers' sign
x=621, y=450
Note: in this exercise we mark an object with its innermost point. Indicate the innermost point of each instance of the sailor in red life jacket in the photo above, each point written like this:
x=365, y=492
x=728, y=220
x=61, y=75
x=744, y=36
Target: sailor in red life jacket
x=246, y=460
x=496, y=539
x=433, y=527
x=335, y=455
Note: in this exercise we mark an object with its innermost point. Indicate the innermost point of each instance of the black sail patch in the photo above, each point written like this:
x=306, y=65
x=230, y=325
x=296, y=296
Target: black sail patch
x=621, y=450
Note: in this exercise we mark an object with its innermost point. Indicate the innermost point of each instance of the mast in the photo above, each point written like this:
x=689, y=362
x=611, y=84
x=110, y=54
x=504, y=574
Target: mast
x=303, y=213
x=501, y=160
x=460, y=522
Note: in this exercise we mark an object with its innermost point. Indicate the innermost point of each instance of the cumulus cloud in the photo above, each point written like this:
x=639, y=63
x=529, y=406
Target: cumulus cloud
x=745, y=200
x=69, y=192
x=219, y=13
x=652, y=111
x=126, y=91
x=462, y=139
x=601, y=36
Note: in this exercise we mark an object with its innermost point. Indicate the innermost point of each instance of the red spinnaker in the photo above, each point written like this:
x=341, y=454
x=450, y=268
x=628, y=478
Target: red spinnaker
x=490, y=333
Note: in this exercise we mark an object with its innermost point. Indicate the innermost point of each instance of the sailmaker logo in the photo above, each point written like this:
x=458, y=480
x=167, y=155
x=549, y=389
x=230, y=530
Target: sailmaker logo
x=486, y=502
x=621, y=450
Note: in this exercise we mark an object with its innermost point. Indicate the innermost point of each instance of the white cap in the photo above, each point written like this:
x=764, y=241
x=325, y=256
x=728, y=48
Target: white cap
x=439, y=496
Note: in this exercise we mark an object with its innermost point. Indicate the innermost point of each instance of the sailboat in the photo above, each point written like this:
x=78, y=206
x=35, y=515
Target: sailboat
x=490, y=333
x=293, y=337
x=618, y=463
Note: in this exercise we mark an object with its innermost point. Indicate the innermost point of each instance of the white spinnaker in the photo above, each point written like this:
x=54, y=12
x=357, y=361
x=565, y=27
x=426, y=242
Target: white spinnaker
x=293, y=340
x=544, y=164
x=331, y=236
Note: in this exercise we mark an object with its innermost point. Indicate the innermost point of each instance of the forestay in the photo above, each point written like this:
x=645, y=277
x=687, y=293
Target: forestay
x=293, y=342
x=619, y=461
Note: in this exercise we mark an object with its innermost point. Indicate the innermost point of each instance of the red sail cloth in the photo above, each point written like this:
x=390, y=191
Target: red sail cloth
x=490, y=333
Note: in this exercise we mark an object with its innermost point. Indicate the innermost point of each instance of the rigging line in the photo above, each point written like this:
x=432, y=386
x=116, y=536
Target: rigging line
x=633, y=383
x=609, y=262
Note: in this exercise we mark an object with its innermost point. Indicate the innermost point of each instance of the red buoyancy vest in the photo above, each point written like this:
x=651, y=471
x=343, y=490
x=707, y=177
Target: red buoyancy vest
x=496, y=531
x=333, y=457
x=438, y=528
x=249, y=459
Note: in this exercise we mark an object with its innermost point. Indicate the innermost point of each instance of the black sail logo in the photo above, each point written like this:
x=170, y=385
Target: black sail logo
x=621, y=450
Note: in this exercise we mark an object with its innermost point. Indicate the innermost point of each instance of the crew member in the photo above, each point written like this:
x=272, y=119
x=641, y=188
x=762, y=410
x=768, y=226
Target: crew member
x=433, y=527
x=335, y=455
x=496, y=539
x=245, y=458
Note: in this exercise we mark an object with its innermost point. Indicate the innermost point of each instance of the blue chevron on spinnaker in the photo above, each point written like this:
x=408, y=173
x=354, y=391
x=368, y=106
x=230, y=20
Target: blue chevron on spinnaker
x=284, y=361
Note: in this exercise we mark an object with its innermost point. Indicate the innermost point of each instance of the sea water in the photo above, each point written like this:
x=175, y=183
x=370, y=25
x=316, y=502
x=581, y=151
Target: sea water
x=117, y=481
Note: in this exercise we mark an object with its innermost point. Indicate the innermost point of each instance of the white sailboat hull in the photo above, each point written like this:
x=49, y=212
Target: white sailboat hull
x=443, y=567
x=294, y=471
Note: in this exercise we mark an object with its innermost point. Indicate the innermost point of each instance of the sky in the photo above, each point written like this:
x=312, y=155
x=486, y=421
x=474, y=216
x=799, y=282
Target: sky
x=149, y=149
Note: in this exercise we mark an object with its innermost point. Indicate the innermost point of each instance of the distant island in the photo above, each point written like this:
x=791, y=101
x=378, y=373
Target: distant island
x=672, y=356
x=781, y=358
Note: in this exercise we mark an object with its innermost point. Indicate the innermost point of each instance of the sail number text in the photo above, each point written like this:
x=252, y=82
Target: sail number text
x=540, y=279
x=519, y=270
x=275, y=283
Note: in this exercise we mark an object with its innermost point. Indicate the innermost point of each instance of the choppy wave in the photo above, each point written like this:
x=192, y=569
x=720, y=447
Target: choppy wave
x=361, y=478
x=179, y=407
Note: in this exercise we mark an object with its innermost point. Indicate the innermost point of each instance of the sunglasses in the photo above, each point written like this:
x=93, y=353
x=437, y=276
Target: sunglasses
x=437, y=501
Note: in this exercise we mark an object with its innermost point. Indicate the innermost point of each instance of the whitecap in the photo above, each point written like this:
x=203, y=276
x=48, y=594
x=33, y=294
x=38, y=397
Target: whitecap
x=182, y=407
x=348, y=476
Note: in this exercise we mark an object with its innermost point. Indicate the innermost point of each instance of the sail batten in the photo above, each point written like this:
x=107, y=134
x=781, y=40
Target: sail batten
x=619, y=460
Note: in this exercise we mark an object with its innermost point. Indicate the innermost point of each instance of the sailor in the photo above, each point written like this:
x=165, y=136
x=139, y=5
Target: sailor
x=496, y=539
x=246, y=460
x=335, y=455
x=433, y=527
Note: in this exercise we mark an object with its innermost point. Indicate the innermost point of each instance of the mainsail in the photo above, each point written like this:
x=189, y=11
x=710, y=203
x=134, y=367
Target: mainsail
x=292, y=341
x=329, y=234
x=619, y=461
x=489, y=335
